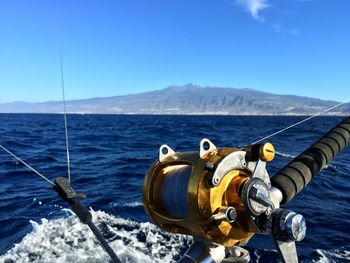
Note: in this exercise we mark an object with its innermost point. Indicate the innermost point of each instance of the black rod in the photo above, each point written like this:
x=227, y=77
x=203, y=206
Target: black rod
x=292, y=178
x=63, y=188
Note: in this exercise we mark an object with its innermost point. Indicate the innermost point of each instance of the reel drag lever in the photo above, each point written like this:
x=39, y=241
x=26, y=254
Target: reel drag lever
x=63, y=188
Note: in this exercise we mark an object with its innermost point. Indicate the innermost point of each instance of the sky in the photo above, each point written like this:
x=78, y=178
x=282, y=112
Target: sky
x=299, y=47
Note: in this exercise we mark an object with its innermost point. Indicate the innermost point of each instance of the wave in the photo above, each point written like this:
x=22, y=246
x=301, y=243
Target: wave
x=68, y=240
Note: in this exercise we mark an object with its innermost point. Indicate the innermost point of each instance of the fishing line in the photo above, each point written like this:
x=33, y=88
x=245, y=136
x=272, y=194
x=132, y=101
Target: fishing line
x=62, y=86
x=299, y=122
x=285, y=155
x=27, y=165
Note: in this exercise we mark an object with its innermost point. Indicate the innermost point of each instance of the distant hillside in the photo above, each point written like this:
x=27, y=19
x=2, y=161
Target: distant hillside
x=187, y=99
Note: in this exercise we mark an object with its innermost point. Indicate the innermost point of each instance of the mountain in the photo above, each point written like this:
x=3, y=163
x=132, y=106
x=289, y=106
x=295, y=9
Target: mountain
x=187, y=99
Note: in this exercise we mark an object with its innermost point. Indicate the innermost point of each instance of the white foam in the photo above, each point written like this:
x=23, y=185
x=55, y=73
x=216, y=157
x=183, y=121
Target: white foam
x=125, y=204
x=327, y=256
x=68, y=240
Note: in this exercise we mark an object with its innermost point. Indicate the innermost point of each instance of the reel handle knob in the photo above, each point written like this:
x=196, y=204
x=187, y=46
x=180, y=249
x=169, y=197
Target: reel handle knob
x=288, y=226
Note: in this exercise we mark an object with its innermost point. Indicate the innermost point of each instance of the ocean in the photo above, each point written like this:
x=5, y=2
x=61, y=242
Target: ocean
x=110, y=155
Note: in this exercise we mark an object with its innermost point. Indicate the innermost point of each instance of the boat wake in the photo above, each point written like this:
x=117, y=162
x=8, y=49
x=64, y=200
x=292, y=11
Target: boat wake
x=68, y=240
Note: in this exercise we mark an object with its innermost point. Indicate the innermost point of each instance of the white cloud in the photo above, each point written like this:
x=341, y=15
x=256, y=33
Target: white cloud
x=254, y=7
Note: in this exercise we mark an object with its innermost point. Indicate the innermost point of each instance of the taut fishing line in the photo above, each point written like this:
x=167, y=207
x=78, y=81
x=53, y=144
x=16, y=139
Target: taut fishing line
x=26, y=164
x=297, y=123
x=59, y=28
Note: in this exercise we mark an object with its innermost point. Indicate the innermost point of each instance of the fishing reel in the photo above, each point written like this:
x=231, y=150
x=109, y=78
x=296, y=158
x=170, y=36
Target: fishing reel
x=221, y=197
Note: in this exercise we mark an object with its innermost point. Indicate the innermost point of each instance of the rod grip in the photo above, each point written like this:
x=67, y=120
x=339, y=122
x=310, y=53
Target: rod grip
x=300, y=171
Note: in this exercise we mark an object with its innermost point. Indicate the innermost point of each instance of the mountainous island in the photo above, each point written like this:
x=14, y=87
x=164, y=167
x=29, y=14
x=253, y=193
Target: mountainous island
x=187, y=99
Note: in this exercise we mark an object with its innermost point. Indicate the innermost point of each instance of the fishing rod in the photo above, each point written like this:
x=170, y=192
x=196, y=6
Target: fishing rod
x=224, y=196
x=62, y=186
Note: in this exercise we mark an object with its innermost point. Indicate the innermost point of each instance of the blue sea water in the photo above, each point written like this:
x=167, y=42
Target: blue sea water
x=110, y=155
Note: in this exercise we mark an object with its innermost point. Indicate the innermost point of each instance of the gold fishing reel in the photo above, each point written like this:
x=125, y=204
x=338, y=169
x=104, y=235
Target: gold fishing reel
x=215, y=194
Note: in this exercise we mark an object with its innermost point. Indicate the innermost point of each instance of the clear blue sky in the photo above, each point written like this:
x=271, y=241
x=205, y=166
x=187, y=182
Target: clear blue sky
x=119, y=47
